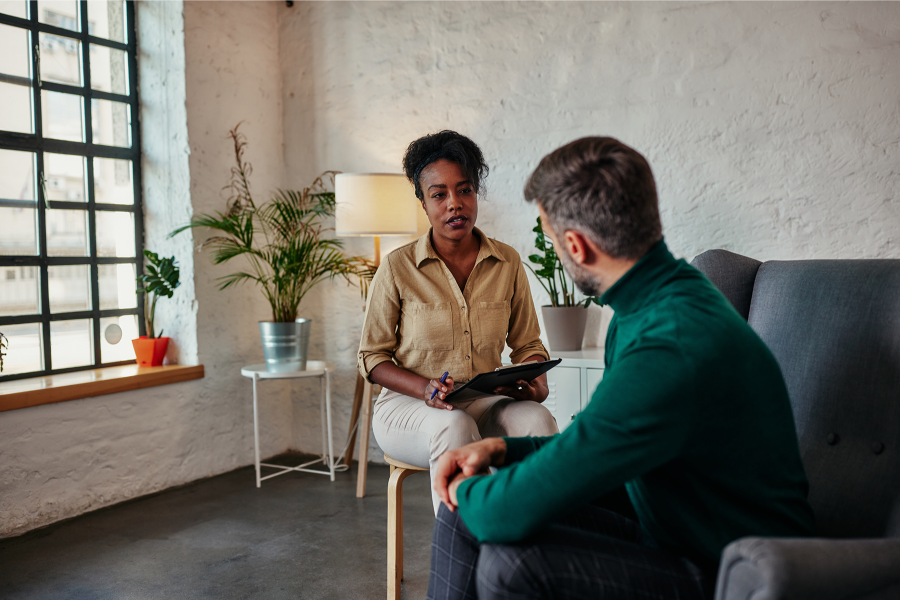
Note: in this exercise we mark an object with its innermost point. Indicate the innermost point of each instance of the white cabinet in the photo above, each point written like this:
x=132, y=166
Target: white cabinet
x=572, y=383
x=593, y=379
x=564, y=399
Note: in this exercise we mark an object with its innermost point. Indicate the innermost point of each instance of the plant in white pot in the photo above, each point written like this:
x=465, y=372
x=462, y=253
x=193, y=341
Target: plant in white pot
x=285, y=250
x=564, y=318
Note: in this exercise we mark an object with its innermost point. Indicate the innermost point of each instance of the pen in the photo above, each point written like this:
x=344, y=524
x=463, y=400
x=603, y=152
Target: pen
x=443, y=379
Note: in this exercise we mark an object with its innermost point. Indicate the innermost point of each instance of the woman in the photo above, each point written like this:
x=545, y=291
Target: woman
x=448, y=302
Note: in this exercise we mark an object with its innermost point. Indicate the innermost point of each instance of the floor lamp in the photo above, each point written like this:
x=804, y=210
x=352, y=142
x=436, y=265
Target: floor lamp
x=371, y=204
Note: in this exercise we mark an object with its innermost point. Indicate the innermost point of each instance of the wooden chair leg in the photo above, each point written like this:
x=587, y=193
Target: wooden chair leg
x=365, y=425
x=395, y=531
x=354, y=415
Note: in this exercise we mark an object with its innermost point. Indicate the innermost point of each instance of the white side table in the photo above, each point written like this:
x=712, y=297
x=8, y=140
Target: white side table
x=314, y=368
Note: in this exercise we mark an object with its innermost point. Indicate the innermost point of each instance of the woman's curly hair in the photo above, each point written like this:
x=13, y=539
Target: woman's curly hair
x=447, y=145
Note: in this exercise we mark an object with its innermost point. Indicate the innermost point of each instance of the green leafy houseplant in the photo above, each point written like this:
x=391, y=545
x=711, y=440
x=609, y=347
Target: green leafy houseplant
x=4, y=344
x=282, y=241
x=551, y=274
x=160, y=280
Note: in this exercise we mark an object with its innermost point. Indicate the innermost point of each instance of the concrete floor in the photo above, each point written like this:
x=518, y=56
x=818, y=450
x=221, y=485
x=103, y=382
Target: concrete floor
x=299, y=536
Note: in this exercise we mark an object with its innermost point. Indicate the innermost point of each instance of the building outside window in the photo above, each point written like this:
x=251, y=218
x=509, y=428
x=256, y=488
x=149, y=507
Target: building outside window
x=70, y=209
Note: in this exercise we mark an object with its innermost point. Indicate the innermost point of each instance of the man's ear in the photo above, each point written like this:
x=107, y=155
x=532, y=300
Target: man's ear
x=582, y=250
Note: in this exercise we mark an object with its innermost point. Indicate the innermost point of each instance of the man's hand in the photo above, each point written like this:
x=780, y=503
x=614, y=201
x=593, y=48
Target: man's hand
x=456, y=465
x=442, y=390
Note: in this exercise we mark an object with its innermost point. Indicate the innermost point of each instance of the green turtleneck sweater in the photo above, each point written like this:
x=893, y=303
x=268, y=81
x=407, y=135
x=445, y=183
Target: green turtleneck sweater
x=692, y=416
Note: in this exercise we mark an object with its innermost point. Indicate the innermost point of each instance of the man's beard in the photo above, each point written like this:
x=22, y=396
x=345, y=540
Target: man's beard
x=587, y=282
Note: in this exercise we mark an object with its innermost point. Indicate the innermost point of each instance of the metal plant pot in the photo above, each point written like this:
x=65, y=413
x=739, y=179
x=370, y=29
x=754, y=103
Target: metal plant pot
x=285, y=345
x=565, y=326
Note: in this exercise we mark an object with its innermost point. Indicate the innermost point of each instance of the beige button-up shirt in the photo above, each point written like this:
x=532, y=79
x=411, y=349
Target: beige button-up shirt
x=418, y=317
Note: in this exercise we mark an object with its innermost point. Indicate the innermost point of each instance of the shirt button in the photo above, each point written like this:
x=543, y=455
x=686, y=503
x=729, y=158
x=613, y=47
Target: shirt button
x=467, y=358
x=467, y=333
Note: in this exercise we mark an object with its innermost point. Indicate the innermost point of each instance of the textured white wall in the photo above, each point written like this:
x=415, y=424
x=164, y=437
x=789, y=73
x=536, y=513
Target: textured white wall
x=772, y=128
x=60, y=460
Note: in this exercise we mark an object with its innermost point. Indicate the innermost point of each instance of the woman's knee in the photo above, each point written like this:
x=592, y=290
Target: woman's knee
x=455, y=429
x=520, y=418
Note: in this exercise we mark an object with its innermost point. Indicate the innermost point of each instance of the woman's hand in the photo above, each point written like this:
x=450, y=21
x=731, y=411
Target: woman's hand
x=443, y=389
x=535, y=390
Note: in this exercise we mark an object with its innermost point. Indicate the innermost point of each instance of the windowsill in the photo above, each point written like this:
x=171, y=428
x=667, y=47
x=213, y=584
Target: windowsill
x=51, y=389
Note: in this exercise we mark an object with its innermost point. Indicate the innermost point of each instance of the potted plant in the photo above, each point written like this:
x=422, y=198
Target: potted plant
x=160, y=280
x=4, y=344
x=564, y=318
x=286, y=251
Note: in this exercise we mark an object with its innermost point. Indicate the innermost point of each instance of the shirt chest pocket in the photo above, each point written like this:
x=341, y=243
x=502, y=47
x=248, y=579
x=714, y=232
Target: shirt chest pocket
x=491, y=324
x=432, y=325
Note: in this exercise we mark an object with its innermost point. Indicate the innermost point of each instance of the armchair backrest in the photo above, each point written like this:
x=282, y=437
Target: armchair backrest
x=834, y=328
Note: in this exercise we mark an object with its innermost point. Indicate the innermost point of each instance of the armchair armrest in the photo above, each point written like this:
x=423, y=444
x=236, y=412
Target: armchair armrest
x=754, y=568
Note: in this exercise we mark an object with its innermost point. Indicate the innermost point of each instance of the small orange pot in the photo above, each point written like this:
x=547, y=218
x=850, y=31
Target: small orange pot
x=150, y=352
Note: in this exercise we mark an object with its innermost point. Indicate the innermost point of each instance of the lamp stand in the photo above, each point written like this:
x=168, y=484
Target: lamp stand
x=362, y=402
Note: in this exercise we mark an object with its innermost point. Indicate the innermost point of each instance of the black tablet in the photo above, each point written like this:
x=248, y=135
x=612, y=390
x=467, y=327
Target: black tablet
x=485, y=383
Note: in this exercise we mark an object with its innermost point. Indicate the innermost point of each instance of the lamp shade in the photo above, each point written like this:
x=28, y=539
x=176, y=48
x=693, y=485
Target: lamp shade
x=374, y=204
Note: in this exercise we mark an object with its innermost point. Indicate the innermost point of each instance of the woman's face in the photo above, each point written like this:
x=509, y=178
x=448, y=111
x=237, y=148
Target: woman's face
x=450, y=199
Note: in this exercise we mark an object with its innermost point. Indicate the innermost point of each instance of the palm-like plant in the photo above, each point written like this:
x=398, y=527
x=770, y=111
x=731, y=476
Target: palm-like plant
x=551, y=274
x=282, y=241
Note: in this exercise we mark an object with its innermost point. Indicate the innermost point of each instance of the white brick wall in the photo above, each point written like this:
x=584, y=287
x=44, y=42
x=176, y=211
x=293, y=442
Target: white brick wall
x=772, y=129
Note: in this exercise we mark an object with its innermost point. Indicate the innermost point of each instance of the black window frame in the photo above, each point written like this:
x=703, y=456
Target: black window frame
x=35, y=142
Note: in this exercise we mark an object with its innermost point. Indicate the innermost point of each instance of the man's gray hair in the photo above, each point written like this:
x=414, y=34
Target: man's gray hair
x=602, y=188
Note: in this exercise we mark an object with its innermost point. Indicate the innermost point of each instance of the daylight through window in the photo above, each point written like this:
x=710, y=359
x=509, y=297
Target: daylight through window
x=70, y=211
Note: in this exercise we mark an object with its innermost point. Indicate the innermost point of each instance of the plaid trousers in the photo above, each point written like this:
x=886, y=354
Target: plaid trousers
x=593, y=554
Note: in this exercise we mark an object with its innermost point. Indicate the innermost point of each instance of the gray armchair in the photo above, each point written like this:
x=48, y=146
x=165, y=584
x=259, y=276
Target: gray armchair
x=834, y=327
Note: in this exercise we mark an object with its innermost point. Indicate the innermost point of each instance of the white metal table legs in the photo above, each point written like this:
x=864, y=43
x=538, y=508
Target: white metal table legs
x=327, y=457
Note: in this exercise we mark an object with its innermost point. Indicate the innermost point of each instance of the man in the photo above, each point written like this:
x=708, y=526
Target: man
x=692, y=417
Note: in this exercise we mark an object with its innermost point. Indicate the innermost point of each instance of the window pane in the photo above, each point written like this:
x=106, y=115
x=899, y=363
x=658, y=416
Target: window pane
x=115, y=233
x=59, y=14
x=16, y=114
x=69, y=288
x=16, y=175
x=117, y=287
x=23, y=354
x=67, y=232
x=109, y=69
x=116, y=334
x=71, y=344
x=60, y=59
x=65, y=177
x=111, y=123
x=19, y=291
x=62, y=116
x=107, y=19
x=15, y=56
x=19, y=231
x=112, y=181
x=16, y=8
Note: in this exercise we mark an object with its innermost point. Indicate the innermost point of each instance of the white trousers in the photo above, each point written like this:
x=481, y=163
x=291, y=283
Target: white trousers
x=411, y=431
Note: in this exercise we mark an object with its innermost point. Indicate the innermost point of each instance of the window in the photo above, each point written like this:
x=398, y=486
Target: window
x=70, y=203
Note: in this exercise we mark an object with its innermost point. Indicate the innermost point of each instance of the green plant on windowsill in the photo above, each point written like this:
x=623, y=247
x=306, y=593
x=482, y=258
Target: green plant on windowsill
x=160, y=279
x=551, y=274
x=4, y=344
